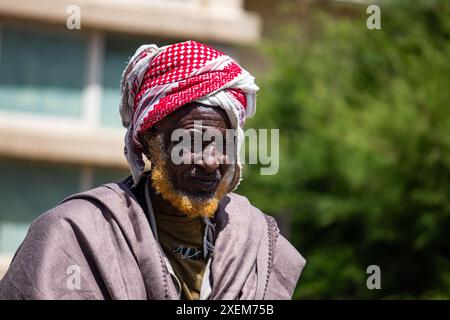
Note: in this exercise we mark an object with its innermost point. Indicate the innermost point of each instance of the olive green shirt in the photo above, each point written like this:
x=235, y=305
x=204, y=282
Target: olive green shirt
x=181, y=238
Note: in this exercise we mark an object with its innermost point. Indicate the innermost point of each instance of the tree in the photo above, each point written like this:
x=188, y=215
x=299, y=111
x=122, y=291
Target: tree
x=364, y=120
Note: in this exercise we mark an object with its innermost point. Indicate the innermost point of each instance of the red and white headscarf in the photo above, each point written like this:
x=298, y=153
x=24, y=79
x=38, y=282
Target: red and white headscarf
x=158, y=81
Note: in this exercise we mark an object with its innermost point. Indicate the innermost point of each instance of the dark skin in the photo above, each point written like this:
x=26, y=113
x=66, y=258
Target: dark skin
x=196, y=179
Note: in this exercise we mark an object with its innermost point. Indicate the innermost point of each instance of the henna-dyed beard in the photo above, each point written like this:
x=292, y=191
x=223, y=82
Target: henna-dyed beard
x=190, y=205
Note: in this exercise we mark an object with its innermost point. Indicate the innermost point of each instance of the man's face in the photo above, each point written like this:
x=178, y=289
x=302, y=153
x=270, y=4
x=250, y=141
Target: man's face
x=199, y=178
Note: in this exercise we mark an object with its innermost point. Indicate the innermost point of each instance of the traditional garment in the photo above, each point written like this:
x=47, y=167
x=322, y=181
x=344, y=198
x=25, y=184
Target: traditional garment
x=158, y=81
x=181, y=238
x=104, y=237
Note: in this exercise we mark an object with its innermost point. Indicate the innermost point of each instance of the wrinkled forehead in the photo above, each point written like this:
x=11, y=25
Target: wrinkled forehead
x=210, y=117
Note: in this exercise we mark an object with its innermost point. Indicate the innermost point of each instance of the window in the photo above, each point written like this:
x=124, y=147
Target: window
x=31, y=188
x=41, y=72
x=108, y=175
x=28, y=189
x=118, y=50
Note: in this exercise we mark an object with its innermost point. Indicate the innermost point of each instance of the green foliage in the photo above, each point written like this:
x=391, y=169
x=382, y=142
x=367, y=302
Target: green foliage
x=364, y=118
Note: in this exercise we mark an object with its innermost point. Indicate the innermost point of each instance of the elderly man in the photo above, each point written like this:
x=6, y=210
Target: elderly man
x=176, y=231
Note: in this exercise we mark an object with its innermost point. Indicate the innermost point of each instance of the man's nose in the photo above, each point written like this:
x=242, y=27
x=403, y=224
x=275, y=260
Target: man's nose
x=210, y=161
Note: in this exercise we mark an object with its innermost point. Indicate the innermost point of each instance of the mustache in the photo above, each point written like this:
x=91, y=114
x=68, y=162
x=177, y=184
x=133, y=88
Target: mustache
x=198, y=173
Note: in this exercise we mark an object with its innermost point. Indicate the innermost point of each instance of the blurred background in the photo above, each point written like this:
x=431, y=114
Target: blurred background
x=364, y=119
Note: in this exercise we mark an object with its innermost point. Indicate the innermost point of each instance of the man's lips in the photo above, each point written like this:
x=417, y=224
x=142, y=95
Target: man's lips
x=205, y=182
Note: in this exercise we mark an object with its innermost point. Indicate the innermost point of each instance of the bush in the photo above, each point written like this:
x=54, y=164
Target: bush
x=364, y=150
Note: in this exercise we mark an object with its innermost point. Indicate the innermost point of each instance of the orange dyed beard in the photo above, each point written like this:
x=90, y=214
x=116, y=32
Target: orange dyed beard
x=161, y=182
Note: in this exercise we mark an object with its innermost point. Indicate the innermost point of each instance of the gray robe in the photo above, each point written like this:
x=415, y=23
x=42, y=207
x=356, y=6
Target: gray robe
x=99, y=245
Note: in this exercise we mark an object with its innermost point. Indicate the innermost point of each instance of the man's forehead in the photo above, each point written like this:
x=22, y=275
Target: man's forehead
x=192, y=115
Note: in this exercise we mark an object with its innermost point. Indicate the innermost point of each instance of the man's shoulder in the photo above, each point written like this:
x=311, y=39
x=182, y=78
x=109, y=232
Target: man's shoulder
x=284, y=248
x=243, y=205
x=80, y=207
x=242, y=201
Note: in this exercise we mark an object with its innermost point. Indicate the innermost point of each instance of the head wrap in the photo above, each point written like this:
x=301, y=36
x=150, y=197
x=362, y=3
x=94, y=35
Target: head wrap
x=158, y=81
